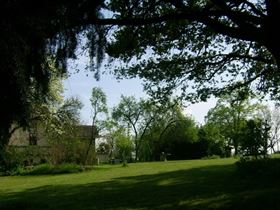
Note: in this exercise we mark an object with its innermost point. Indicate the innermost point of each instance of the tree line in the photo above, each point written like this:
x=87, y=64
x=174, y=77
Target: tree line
x=146, y=131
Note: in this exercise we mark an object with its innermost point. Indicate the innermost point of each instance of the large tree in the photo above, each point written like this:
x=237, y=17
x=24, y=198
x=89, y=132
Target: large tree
x=212, y=43
x=202, y=47
x=99, y=110
x=180, y=139
x=32, y=34
x=131, y=114
x=255, y=138
x=230, y=115
x=170, y=133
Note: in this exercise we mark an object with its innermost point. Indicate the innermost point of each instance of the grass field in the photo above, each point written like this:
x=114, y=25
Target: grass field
x=194, y=184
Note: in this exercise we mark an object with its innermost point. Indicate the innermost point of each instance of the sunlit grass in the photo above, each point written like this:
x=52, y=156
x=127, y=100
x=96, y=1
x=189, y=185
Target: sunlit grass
x=193, y=184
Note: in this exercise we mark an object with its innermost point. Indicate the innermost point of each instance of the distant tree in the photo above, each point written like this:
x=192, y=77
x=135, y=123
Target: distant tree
x=62, y=120
x=104, y=148
x=152, y=113
x=272, y=118
x=111, y=129
x=214, y=143
x=169, y=131
x=128, y=113
x=275, y=130
x=230, y=115
x=136, y=116
x=255, y=138
x=99, y=108
x=151, y=123
x=56, y=115
x=180, y=137
x=124, y=146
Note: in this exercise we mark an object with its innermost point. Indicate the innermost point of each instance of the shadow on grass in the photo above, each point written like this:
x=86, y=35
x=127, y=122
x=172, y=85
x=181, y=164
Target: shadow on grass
x=212, y=187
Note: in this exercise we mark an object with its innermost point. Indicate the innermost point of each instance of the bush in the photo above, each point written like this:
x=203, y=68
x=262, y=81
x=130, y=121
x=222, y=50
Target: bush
x=70, y=151
x=15, y=157
x=211, y=157
x=44, y=169
x=268, y=167
x=16, y=171
x=12, y=158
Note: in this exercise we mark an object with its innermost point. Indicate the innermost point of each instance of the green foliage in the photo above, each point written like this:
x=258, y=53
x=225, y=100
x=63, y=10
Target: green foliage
x=127, y=110
x=61, y=120
x=255, y=137
x=44, y=169
x=69, y=150
x=124, y=146
x=211, y=157
x=98, y=101
x=230, y=114
x=179, y=138
x=55, y=116
x=12, y=158
x=31, y=45
x=198, y=47
x=169, y=132
x=136, y=117
x=157, y=128
x=103, y=148
x=99, y=107
x=184, y=128
x=214, y=142
x=17, y=157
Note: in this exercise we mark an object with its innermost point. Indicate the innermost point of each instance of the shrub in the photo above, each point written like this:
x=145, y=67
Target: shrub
x=12, y=158
x=70, y=151
x=249, y=167
x=254, y=139
x=44, y=169
x=124, y=147
x=16, y=171
x=211, y=157
x=15, y=157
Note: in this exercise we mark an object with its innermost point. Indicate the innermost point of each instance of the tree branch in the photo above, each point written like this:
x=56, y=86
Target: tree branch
x=190, y=15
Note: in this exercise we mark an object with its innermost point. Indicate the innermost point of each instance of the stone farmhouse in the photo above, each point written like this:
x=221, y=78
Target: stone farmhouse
x=23, y=140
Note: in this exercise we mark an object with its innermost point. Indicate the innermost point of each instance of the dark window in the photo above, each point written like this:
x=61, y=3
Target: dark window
x=32, y=139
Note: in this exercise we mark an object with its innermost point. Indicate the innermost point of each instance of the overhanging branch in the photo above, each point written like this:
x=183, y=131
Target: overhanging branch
x=188, y=15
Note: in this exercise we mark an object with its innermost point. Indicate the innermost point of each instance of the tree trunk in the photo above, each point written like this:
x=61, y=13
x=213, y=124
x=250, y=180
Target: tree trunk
x=235, y=145
x=272, y=36
x=91, y=142
x=136, y=150
x=4, y=140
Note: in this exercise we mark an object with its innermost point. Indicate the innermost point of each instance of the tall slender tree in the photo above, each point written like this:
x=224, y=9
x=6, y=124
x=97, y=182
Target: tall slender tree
x=99, y=108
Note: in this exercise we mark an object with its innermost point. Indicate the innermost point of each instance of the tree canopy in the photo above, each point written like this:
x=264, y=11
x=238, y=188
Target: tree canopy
x=201, y=47
x=208, y=46
x=231, y=114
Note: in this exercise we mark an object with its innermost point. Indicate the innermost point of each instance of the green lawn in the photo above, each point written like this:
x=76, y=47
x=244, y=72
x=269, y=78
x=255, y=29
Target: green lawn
x=194, y=184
